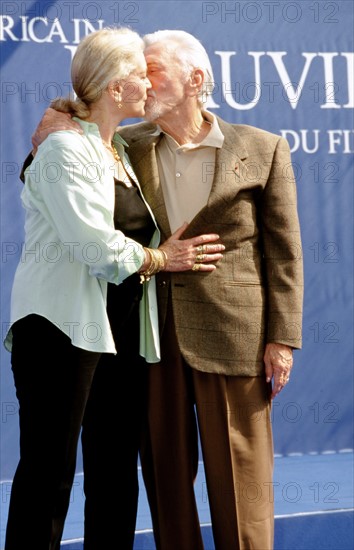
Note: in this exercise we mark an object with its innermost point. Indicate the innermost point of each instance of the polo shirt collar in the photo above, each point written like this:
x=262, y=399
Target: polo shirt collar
x=215, y=137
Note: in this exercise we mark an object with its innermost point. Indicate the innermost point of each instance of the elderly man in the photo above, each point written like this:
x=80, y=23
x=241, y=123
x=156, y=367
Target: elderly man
x=227, y=336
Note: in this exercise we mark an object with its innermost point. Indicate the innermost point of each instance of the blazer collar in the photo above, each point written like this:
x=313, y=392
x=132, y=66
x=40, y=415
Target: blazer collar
x=229, y=168
x=229, y=172
x=229, y=164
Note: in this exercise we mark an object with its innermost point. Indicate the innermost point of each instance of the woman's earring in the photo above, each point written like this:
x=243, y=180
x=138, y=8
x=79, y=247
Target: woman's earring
x=118, y=100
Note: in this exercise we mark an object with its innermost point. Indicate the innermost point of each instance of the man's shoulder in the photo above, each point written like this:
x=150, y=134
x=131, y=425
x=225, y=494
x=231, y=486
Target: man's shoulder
x=248, y=132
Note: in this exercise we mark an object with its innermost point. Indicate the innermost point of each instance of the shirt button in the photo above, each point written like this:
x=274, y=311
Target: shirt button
x=178, y=174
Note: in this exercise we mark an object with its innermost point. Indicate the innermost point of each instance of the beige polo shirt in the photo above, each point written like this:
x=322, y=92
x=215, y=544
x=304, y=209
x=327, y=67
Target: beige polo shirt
x=187, y=172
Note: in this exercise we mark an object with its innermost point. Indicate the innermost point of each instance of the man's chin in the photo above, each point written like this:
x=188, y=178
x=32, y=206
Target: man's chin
x=152, y=110
x=149, y=118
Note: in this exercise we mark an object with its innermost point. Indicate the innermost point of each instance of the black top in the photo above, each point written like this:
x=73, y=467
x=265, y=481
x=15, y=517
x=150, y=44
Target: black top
x=132, y=217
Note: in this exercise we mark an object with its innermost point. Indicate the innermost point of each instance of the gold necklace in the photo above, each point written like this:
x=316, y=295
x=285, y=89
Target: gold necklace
x=112, y=150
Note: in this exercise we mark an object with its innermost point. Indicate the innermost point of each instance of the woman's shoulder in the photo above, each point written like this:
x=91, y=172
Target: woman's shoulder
x=69, y=141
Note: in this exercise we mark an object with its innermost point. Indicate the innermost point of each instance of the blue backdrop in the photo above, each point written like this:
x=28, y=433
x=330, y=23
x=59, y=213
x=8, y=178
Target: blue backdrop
x=284, y=66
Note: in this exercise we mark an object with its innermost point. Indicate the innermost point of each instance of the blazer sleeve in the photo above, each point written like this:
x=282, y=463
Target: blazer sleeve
x=282, y=251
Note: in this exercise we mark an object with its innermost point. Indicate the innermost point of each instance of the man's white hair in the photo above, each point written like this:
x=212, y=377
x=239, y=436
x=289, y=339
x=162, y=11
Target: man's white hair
x=190, y=52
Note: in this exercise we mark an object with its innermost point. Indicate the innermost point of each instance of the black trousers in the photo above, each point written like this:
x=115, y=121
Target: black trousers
x=112, y=429
x=53, y=380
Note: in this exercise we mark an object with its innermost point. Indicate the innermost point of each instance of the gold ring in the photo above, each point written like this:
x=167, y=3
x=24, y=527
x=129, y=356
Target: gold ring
x=196, y=267
x=200, y=248
x=200, y=257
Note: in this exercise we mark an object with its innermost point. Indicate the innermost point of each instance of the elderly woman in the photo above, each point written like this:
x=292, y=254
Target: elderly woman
x=87, y=224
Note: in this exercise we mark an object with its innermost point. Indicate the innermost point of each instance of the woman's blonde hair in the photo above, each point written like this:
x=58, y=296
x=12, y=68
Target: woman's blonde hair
x=107, y=54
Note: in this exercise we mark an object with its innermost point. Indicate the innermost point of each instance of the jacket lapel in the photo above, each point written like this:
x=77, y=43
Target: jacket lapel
x=230, y=171
x=142, y=154
x=229, y=165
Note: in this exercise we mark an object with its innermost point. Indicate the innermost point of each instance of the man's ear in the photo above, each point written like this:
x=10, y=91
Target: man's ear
x=195, y=82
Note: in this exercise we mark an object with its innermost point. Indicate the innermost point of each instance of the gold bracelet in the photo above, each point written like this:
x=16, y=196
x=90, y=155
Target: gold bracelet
x=158, y=262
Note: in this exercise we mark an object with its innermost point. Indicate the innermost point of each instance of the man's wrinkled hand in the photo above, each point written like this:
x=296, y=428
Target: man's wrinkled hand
x=278, y=360
x=53, y=121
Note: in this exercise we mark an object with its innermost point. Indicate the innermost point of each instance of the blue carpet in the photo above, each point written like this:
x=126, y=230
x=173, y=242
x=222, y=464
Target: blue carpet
x=312, y=531
x=313, y=498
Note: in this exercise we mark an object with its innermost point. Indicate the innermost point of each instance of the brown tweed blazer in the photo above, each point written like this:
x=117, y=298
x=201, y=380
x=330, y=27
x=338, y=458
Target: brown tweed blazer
x=224, y=318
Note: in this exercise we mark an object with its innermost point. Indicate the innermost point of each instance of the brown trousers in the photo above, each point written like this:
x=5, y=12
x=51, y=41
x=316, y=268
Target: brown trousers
x=233, y=418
